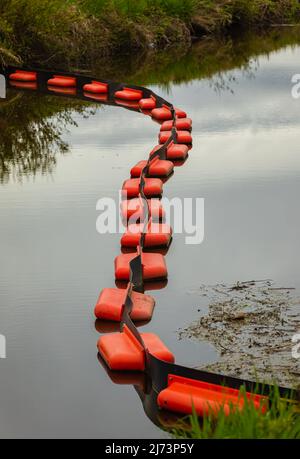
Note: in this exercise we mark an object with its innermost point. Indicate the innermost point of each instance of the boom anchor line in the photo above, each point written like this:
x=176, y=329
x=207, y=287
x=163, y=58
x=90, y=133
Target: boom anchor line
x=173, y=387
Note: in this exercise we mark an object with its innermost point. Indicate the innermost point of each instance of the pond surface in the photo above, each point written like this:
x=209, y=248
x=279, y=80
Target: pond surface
x=58, y=157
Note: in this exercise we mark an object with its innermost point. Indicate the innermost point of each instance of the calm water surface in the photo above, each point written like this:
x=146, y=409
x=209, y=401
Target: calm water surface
x=245, y=163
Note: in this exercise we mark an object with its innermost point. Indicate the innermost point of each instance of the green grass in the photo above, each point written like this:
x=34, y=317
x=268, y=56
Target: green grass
x=281, y=421
x=78, y=32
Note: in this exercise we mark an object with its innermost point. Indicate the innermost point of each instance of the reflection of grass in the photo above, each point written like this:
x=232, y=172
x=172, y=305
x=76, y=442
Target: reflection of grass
x=30, y=132
x=281, y=421
x=206, y=59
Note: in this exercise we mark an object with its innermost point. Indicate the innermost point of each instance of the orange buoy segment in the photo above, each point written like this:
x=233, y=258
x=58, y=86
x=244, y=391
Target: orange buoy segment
x=161, y=114
x=22, y=75
x=183, y=395
x=180, y=113
x=147, y=104
x=177, y=152
x=129, y=94
x=157, y=235
x=133, y=208
x=154, y=266
x=123, y=352
x=182, y=124
x=182, y=137
x=165, y=114
x=62, y=81
x=158, y=168
x=111, y=302
x=96, y=87
x=153, y=187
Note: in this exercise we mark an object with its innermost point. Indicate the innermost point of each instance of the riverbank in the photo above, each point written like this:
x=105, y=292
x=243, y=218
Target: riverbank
x=77, y=33
x=251, y=324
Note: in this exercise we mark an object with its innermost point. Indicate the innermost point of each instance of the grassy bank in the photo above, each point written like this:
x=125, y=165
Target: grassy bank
x=77, y=33
x=282, y=421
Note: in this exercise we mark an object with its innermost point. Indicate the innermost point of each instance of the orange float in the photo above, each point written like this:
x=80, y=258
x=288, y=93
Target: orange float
x=111, y=303
x=133, y=208
x=164, y=113
x=123, y=352
x=157, y=168
x=147, y=104
x=183, y=395
x=96, y=87
x=175, y=152
x=182, y=137
x=182, y=124
x=153, y=264
x=129, y=94
x=62, y=81
x=22, y=75
x=153, y=187
x=157, y=235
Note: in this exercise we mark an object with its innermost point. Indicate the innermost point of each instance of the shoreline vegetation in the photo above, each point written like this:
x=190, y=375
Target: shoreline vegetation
x=77, y=33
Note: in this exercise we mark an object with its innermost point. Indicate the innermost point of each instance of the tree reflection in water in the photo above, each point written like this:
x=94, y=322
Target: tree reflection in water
x=31, y=127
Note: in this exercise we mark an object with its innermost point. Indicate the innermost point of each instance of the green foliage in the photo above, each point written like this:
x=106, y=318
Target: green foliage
x=77, y=32
x=281, y=421
x=138, y=8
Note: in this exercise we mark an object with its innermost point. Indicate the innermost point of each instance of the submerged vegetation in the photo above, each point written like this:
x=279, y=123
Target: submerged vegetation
x=281, y=421
x=78, y=32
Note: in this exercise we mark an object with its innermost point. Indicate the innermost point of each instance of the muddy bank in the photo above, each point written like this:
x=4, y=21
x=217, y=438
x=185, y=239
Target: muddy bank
x=251, y=324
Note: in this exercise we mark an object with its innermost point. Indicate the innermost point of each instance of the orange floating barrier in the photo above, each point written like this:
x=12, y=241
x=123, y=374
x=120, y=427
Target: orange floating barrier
x=62, y=81
x=129, y=94
x=157, y=168
x=182, y=137
x=123, y=352
x=22, y=75
x=111, y=302
x=157, y=235
x=154, y=266
x=182, y=124
x=165, y=114
x=153, y=187
x=133, y=208
x=183, y=395
x=96, y=87
x=147, y=104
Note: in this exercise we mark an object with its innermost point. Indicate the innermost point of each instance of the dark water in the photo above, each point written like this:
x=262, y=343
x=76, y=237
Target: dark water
x=245, y=163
